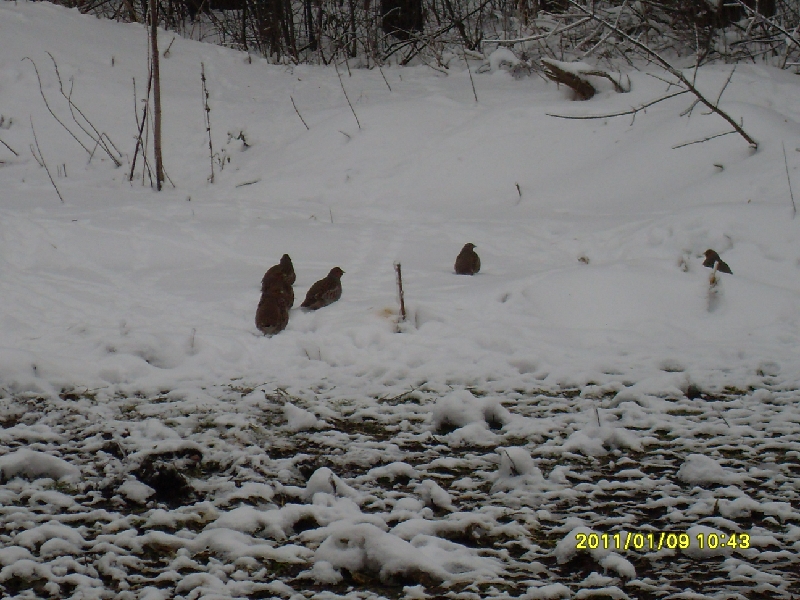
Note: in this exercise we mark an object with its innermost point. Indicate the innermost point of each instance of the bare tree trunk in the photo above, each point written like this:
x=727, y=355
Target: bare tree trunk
x=311, y=30
x=156, y=94
x=244, y=25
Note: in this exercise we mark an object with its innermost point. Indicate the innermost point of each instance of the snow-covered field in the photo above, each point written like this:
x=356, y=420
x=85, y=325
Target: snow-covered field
x=155, y=445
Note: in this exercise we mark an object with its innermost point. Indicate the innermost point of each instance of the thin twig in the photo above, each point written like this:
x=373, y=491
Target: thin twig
x=36, y=158
x=299, y=115
x=705, y=139
x=472, y=81
x=10, y=148
x=44, y=163
x=384, y=78
x=165, y=54
x=722, y=91
x=238, y=185
x=97, y=137
x=47, y=104
x=140, y=143
x=353, y=110
x=789, y=181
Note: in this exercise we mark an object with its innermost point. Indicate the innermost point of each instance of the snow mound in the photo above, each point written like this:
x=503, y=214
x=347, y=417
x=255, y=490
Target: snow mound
x=461, y=409
x=699, y=469
x=32, y=464
x=598, y=440
x=299, y=419
x=366, y=548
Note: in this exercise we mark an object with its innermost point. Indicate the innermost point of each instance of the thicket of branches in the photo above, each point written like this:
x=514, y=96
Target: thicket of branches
x=435, y=31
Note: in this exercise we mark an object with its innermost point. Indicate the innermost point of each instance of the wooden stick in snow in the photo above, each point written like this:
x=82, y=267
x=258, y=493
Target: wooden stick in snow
x=401, y=295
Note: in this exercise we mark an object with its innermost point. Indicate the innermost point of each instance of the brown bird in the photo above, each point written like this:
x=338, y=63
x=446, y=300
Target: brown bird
x=467, y=262
x=272, y=314
x=713, y=259
x=325, y=291
x=280, y=278
x=285, y=267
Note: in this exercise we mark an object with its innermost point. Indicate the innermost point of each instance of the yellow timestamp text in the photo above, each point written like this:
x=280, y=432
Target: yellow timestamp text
x=655, y=541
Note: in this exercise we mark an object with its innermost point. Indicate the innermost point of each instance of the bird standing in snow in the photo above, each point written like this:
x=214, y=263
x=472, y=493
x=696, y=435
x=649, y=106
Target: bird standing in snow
x=277, y=297
x=285, y=268
x=713, y=260
x=280, y=277
x=325, y=291
x=272, y=314
x=467, y=262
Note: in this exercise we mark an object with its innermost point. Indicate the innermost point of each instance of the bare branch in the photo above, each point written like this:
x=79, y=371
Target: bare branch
x=540, y=36
x=632, y=111
x=672, y=70
x=722, y=91
x=705, y=139
x=757, y=15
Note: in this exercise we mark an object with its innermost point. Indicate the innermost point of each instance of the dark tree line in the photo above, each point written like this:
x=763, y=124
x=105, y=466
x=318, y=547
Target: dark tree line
x=403, y=30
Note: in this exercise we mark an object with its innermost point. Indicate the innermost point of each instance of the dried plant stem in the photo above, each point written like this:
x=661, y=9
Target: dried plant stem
x=471, y=80
x=43, y=162
x=95, y=135
x=299, y=115
x=341, y=83
x=788, y=180
x=47, y=104
x=10, y=148
x=140, y=127
x=386, y=81
x=207, y=115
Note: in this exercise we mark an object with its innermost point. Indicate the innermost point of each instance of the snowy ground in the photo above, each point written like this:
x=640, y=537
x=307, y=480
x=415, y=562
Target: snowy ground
x=153, y=445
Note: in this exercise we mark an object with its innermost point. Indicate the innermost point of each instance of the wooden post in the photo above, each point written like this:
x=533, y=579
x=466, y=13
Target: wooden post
x=154, y=56
x=400, y=291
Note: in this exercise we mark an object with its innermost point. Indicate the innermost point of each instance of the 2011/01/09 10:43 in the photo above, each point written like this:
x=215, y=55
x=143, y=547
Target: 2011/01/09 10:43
x=658, y=541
